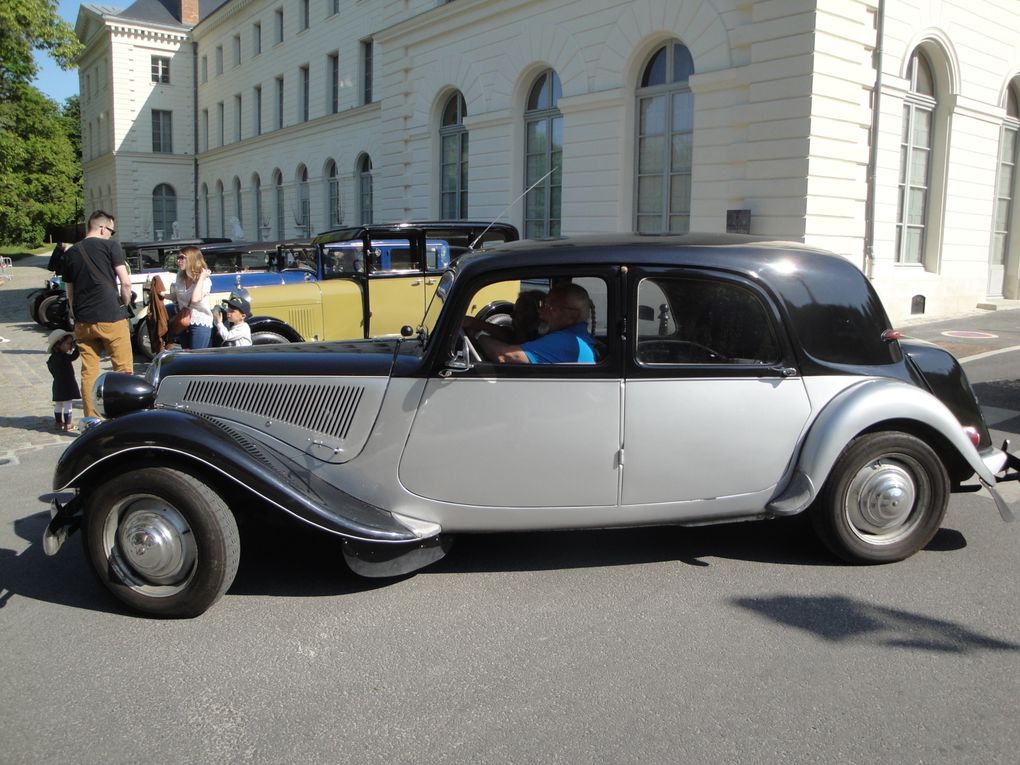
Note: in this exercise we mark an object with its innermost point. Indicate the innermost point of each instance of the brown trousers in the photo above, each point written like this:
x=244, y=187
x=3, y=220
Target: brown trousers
x=113, y=337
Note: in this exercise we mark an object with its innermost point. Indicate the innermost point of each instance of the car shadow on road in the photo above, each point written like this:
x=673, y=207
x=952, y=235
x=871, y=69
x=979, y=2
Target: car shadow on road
x=288, y=559
x=840, y=619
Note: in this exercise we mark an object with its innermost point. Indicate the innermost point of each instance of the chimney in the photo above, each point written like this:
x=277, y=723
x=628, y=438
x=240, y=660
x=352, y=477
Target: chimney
x=189, y=12
x=185, y=11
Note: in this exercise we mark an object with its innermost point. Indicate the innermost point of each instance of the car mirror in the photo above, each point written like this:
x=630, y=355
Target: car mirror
x=461, y=355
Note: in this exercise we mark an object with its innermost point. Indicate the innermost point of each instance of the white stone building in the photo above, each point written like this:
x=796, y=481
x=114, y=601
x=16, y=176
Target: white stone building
x=294, y=116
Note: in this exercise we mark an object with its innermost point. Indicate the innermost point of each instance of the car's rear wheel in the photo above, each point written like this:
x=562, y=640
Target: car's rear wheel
x=143, y=344
x=268, y=338
x=52, y=311
x=161, y=541
x=884, y=499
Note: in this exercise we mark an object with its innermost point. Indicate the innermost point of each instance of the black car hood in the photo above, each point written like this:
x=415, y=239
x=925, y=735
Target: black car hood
x=353, y=357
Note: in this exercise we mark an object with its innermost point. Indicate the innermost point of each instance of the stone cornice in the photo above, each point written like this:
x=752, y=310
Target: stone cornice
x=226, y=11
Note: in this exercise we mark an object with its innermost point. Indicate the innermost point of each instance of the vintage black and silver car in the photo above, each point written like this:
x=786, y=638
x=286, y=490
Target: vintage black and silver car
x=730, y=379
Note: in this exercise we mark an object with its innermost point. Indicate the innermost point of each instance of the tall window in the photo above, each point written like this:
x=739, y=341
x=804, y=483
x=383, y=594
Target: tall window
x=278, y=204
x=279, y=102
x=162, y=131
x=333, y=67
x=304, y=211
x=205, y=129
x=260, y=221
x=221, y=208
x=453, y=139
x=205, y=209
x=164, y=211
x=366, y=71
x=365, y=188
x=256, y=38
x=665, y=141
x=237, y=50
x=304, y=14
x=543, y=157
x=237, y=117
x=238, y=204
x=915, y=162
x=205, y=68
x=303, y=79
x=160, y=69
x=256, y=110
x=219, y=59
x=1008, y=149
x=220, y=123
x=278, y=16
x=334, y=215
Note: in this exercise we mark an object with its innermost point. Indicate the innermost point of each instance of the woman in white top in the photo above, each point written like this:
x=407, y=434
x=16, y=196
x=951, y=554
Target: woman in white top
x=191, y=290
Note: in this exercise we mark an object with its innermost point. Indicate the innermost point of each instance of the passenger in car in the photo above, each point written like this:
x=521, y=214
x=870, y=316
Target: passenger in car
x=565, y=314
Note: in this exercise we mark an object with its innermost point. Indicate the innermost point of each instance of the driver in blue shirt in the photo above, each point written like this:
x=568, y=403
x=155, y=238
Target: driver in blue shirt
x=565, y=313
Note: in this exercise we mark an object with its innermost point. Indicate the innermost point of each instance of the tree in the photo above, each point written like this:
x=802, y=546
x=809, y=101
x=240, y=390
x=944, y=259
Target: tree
x=40, y=175
x=28, y=25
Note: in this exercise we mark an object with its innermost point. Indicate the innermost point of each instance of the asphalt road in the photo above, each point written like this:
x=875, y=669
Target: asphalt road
x=741, y=643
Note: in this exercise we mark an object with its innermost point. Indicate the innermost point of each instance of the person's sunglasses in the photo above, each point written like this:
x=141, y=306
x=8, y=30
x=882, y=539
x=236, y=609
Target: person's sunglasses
x=112, y=231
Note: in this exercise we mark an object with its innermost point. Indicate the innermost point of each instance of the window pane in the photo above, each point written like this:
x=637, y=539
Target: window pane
x=655, y=72
x=537, y=137
x=650, y=195
x=649, y=224
x=536, y=168
x=679, y=224
x=922, y=128
x=1005, y=181
x=683, y=112
x=919, y=167
x=680, y=194
x=650, y=155
x=535, y=204
x=998, y=249
x=915, y=209
x=912, y=245
x=653, y=116
x=683, y=65
x=683, y=151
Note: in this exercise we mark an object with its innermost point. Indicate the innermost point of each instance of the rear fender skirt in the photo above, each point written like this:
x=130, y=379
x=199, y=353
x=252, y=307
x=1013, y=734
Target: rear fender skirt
x=252, y=466
x=868, y=403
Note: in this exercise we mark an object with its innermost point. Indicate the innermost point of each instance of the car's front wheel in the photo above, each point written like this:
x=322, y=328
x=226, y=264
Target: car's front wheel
x=884, y=499
x=161, y=541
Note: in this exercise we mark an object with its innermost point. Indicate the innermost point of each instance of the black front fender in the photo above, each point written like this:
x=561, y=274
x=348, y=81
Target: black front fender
x=153, y=434
x=276, y=326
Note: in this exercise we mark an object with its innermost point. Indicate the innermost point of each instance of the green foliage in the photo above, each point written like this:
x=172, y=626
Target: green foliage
x=40, y=174
x=26, y=26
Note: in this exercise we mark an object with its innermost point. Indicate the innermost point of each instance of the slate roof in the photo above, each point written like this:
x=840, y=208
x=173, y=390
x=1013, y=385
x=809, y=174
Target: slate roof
x=153, y=11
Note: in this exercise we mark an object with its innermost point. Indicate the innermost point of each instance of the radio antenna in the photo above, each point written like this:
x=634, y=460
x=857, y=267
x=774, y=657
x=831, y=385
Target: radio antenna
x=503, y=211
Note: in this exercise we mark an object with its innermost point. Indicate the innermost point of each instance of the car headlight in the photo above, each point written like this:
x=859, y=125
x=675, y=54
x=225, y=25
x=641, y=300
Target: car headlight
x=117, y=393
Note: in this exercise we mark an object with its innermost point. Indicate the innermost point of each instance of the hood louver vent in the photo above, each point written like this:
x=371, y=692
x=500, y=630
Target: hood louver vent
x=325, y=408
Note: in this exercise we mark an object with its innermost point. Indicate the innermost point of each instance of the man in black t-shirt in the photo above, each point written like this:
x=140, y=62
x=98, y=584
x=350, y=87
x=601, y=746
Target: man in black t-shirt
x=98, y=309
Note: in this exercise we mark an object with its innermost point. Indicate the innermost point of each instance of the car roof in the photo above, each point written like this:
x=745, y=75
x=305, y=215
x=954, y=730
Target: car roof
x=467, y=228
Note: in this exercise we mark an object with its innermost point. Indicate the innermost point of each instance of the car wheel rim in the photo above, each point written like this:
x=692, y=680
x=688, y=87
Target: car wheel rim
x=884, y=499
x=150, y=546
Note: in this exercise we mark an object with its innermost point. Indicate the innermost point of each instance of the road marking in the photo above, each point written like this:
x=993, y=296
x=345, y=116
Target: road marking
x=986, y=354
x=970, y=334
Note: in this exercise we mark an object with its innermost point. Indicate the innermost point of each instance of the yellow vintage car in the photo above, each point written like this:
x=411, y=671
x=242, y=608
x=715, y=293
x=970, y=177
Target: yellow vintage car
x=348, y=294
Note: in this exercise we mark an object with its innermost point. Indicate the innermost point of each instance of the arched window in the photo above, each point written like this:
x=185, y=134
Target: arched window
x=665, y=141
x=1009, y=146
x=164, y=211
x=278, y=204
x=915, y=161
x=238, y=204
x=543, y=157
x=453, y=139
x=221, y=208
x=334, y=215
x=365, y=188
x=304, y=211
x=260, y=220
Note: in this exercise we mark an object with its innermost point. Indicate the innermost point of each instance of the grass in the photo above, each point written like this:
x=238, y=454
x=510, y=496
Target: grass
x=19, y=251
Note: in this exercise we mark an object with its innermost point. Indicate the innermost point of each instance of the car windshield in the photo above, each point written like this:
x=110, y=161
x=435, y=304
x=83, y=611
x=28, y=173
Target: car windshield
x=435, y=306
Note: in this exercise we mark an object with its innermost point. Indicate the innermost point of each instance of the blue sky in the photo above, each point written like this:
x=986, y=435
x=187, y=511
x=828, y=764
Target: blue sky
x=52, y=80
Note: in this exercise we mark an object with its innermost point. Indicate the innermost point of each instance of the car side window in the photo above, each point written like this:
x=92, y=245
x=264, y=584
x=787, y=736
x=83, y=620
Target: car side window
x=685, y=320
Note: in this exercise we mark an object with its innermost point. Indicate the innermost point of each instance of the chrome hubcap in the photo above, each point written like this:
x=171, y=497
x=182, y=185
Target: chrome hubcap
x=881, y=499
x=151, y=545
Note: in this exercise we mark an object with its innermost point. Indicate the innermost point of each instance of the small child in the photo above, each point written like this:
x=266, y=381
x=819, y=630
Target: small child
x=237, y=310
x=63, y=351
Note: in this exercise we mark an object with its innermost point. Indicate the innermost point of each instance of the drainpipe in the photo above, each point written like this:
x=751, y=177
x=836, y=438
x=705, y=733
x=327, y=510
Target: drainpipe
x=876, y=97
x=194, y=121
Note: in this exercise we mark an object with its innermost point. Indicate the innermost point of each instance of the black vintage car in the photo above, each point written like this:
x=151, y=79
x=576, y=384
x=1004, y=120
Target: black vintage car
x=683, y=380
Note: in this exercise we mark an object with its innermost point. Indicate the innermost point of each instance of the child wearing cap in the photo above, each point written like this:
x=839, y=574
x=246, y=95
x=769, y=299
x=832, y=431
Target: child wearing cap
x=63, y=351
x=237, y=309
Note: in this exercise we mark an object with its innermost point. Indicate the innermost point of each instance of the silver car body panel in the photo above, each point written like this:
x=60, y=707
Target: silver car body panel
x=567, y=453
